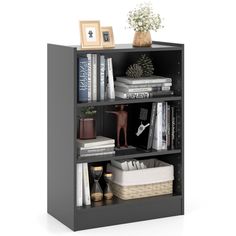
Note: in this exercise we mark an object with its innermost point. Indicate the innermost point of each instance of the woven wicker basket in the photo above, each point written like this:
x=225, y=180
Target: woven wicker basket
x=141, y=191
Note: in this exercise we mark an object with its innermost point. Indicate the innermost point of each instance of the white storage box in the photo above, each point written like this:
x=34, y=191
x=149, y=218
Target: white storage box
x=143, y=183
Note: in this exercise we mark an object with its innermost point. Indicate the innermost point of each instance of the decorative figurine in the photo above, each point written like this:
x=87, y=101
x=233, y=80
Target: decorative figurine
x=122, y=121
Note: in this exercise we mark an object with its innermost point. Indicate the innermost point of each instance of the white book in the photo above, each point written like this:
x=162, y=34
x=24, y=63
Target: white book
x=133, y=86
x=94, y=78
x=98, y=141
x=110, y=86
x=165, y=88
x=89, y=56
x=102, y=77
x=79, y=184
x=157, y=138
x=86, y=188
x=144, y=80
x=134, y=90
x=100, y=146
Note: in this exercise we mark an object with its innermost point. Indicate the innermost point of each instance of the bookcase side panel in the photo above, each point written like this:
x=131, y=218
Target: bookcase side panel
x=61, y=133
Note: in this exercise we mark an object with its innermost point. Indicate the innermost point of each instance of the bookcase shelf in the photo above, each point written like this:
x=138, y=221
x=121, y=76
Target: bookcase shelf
x=128, y=101
x=63, y=114
x=128, y=154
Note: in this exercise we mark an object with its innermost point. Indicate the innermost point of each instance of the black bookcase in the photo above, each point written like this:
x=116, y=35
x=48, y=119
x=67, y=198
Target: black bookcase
x=63, y=113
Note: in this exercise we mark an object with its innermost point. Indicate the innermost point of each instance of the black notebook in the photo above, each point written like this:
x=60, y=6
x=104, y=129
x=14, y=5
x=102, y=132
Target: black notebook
x=142, y=120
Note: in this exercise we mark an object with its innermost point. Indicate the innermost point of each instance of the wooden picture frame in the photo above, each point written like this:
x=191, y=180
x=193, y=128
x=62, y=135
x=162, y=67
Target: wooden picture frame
x=107, y=37
x=90, y=34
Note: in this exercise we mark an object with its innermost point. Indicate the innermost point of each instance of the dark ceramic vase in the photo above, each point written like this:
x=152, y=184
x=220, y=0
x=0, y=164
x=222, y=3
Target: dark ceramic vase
x=87, y=128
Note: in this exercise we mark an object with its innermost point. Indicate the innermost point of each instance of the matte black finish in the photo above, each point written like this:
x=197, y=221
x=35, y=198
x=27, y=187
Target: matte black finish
x=129, y=211
x=63, y=115
x=61, y=133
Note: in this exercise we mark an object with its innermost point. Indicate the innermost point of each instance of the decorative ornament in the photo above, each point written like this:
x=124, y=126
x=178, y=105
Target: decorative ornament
x=146, y=64
x=134, y=71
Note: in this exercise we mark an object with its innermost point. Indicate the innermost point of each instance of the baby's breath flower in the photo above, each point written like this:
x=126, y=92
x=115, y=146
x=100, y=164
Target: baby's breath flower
x=143, y=19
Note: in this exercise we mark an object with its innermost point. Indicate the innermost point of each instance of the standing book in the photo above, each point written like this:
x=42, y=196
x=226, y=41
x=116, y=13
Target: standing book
x=102, y=78
x=83, y=79
x=110, y=86
x=94, y=77
x=79, y=185
x=86, y=188
x=89, y=56
x=157, y=140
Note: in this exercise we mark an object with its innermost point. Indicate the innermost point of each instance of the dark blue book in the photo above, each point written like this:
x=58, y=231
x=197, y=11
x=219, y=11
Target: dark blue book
x=82, y=79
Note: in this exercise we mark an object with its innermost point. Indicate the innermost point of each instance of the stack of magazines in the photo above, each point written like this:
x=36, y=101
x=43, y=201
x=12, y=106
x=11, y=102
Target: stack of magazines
x=96, y=147
x=145, y=87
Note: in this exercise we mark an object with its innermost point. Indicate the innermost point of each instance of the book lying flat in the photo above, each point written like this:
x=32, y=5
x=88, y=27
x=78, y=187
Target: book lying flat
x=146, y=85
x=98, y=141
x=143, y=94
x=95, y=151
x=97, y=154
x=144, y=80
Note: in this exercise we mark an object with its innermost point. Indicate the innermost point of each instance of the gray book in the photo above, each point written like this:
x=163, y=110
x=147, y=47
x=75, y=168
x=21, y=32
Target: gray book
x=144, y=80
x=146, y=85
x=98, y=154
x=95, y=150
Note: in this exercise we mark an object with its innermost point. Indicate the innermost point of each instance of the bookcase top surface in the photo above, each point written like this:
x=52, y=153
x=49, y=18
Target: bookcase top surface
x=156, y=46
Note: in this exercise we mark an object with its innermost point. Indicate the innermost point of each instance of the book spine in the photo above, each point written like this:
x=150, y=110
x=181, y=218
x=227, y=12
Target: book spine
x=144, y=80
x=106, y=79
x=154, y=142
x=95, y=150
x=168, y=127
x=132, y=95
x=94, y=79
x=159, y=93
x=176, y=128
x=111, y=89
x=165, y=88
x=83, y=79
x=98, y=76
x=97, y=154
x=89, y=56
x=102, y=78
x=172, y=141
x=133, y=86
x=86, y=189
x=159, y=125
x=136, y=90
x=142, y=95
x=79, y=184
x=151, y=128
x=96, y=144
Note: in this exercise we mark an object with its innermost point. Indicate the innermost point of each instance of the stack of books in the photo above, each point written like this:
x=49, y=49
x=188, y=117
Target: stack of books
x=96, y=147
x=130, y=88
x=165, y=129
x=154, y=126
x=95, y=78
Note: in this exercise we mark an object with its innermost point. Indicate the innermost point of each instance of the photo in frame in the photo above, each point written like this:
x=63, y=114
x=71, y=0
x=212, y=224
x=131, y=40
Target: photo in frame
x=90, y=34
x=107, y=37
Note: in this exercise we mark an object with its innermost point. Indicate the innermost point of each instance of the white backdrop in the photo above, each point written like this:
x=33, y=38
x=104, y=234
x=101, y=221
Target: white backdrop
x=208, y=31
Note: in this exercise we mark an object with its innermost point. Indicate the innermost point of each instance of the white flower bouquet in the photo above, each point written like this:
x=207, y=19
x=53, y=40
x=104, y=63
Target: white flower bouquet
x=143, y=18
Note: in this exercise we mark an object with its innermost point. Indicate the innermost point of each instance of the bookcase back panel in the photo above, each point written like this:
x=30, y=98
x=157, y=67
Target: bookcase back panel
x=167, y=64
